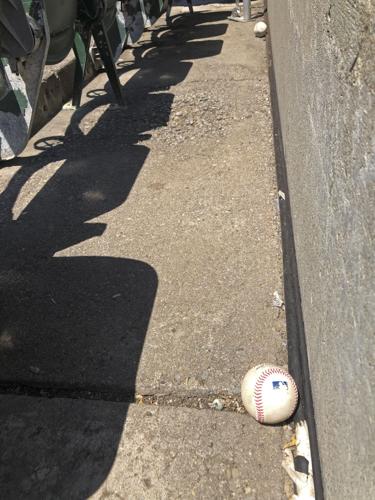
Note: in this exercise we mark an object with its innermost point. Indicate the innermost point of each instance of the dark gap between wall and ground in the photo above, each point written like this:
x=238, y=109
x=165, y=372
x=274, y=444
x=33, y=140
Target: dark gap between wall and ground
x=297, y=350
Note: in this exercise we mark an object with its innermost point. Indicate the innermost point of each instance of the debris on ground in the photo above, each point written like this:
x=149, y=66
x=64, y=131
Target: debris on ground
x=281, y=194
x=220, y=402
x=291, y=444
x=277, y=301
x=304, y=482
x=216, y=404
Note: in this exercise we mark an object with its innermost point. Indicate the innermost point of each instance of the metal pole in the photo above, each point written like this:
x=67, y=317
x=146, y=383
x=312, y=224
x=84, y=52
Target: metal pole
x=246, y=10
x=241, y=15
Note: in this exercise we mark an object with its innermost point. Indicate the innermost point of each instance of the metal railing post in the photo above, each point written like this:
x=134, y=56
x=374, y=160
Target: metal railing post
x=243, y=14
x=246, y=10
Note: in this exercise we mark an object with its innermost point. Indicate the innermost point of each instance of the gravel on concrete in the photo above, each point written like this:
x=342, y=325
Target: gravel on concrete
x=140, y=252
x=146, y=249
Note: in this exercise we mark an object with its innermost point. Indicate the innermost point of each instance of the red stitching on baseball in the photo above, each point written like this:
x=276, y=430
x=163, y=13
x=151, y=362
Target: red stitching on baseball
x=258, y=398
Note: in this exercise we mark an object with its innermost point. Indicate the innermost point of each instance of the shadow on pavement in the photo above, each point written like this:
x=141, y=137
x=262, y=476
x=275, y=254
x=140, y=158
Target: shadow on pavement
x=75, y=326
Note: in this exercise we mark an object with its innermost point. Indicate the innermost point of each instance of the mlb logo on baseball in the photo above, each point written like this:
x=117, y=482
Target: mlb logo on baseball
x=280, y=384
x=269, y=394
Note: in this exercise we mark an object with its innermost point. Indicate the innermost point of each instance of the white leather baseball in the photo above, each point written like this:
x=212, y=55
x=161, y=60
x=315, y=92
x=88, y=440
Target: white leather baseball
x=260, y=29
x=269, y=394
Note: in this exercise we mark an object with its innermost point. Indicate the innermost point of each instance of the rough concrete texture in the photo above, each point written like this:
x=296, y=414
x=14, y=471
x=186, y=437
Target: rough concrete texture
x=192, y=257
x=140, y=252
x=324, y=57
x=74, y=449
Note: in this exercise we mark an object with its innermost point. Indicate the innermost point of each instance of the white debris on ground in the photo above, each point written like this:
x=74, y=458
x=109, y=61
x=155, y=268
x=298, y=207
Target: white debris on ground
x=304, y=483
x=277, y=301
x=217, y=404
x=281, y=194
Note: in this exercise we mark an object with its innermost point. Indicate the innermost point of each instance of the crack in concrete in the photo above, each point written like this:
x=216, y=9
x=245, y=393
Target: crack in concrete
x=220, y=402
x=202, y=401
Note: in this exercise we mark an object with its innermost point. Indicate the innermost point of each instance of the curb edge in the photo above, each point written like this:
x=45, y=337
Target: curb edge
x=297, y=348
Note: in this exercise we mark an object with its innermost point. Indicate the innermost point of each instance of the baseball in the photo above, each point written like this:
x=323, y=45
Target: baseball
x=260, y=29
x=269, y=394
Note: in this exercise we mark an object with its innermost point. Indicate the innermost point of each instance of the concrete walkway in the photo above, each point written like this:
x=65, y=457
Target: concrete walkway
x=139, y=256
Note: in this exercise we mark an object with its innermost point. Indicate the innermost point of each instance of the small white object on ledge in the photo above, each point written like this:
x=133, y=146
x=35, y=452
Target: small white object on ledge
x=260, y=29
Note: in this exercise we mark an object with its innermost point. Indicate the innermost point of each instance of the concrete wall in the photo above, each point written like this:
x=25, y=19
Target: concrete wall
x=324, y=57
